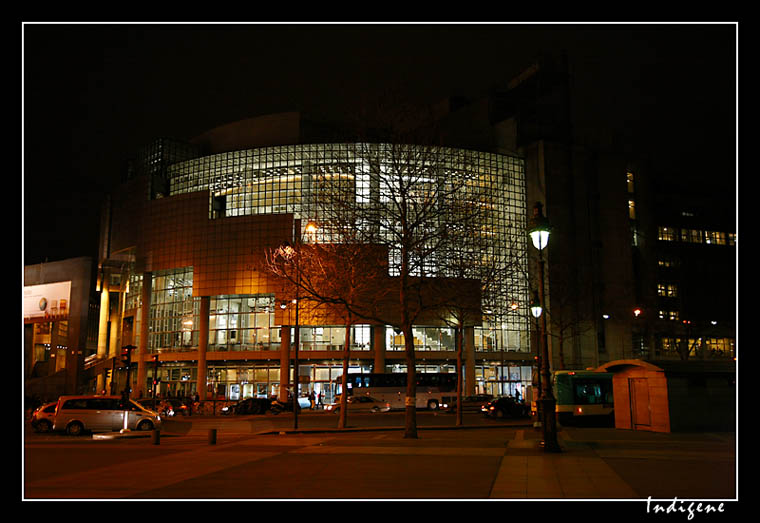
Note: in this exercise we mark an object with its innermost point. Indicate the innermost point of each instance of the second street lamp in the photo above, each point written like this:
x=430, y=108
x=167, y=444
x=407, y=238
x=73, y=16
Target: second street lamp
x=539, y=234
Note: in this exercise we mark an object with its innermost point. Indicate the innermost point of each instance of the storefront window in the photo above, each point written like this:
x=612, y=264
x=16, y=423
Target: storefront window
x=175, y=379
x=503, y=380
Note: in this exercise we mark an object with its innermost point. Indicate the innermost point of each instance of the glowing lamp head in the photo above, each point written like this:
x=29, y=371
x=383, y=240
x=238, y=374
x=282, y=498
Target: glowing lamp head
x=540, y=229
x=535, y=306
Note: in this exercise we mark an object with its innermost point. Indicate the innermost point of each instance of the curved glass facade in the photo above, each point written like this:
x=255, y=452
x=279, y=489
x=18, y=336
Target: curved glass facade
x=299, y=179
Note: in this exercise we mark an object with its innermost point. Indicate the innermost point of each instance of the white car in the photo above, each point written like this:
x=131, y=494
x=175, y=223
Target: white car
x=76, y=414
x=361, y=404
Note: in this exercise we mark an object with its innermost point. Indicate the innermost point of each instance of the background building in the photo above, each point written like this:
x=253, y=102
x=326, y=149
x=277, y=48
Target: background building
x=640, y=260
x=60, y=309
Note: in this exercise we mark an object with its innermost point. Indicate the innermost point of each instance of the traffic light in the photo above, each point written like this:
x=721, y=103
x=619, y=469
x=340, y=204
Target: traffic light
x=156, y=379
x=126, y=355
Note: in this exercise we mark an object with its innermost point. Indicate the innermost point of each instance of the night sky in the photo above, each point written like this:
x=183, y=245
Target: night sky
x=93, y=94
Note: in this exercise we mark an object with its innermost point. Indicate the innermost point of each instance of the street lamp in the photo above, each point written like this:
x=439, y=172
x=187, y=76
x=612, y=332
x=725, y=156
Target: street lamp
x=535, y=307
x=539, y=235
x=535, y=311
x=293, y=253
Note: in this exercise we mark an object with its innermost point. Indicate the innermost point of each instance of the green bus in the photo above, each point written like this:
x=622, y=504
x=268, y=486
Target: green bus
x=584, y=396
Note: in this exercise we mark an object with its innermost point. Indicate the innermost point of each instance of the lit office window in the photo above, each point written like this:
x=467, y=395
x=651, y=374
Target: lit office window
x=691, y=236
x=669, y=315
x=668, y=290
x=667, y=234
x=715, y=238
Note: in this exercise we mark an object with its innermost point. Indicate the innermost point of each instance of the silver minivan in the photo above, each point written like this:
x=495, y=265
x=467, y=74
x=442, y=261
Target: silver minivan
x=76, y=414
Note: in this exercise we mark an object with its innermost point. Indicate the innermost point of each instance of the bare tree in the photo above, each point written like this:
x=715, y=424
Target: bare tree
x=399, y=198
x=343, y=281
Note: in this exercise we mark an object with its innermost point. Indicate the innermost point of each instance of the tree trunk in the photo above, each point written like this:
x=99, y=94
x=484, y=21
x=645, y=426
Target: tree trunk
x=459, y=343
x=411, y=385
x=406, y=327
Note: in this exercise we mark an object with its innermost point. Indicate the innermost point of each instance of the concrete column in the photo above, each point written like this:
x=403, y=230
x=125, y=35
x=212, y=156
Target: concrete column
x=115, y=318
x=469, y=361
x=284, y=362
x=103, y=323
x=142, y=345
x=203, y=327
x=378, y=345
x=55, y=363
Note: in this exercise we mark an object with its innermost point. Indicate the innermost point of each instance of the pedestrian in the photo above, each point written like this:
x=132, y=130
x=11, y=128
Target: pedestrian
x=319, y=400
x=196, y=402
x=311, y=399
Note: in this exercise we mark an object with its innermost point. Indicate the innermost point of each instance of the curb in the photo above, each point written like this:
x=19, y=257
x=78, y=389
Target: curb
x=381, y=429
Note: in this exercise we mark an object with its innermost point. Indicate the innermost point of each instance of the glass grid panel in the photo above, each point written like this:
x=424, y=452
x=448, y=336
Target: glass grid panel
x=173, y=324
x=291, y=179
x=242, y=323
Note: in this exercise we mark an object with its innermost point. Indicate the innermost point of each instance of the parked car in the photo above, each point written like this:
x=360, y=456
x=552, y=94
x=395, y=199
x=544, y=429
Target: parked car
x=506, y=407
x=77, y=414
x=43, y=416
x=361, y=404
x=249, y=406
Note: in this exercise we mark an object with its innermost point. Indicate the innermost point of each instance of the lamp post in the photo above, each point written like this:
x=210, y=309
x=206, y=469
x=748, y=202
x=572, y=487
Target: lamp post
x=294, y=253
x=535, y=311
x=539, y=235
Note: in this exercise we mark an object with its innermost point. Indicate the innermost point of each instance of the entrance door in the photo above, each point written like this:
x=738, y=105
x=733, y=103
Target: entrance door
x=640, y=410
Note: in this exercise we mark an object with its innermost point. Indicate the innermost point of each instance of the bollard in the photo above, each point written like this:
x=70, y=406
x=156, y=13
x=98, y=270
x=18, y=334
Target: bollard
x=212, y=436
x=156, y=436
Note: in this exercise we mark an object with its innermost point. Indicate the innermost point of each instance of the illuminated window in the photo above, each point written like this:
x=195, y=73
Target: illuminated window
x=669, y=290
x=241, y=322
x=667, y=263
x=691, y=236
x=173, y=323
x=629, y=177
x=667, y=234
x=631, y=209
x=715, y=238
x=668, y=315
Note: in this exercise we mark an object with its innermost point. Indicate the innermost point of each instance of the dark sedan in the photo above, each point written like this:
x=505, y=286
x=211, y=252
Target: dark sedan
x=506, y=407
x=249, y=406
